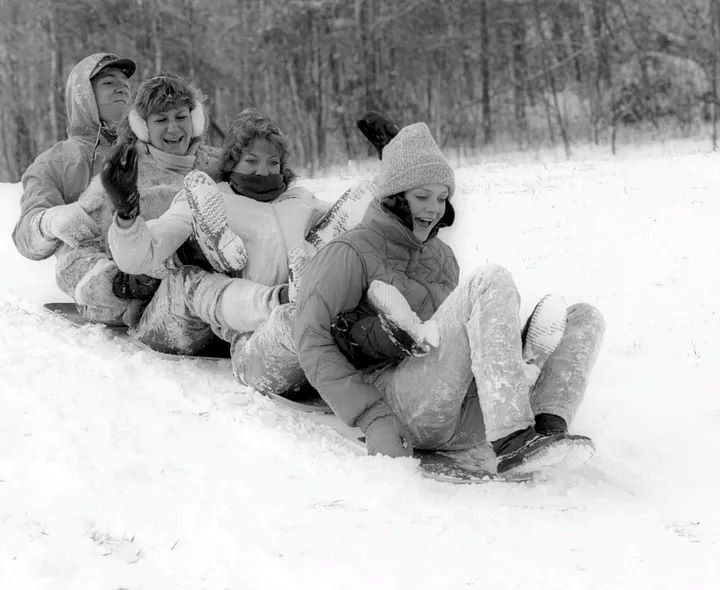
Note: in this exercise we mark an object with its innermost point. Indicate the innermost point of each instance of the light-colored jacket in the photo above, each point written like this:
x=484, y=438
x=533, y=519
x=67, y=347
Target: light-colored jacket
x=268, y=230
x=157, y=186
x=60, y=174
x=336, y=281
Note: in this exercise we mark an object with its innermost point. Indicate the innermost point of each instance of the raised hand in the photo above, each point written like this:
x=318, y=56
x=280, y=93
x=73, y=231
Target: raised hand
x=119, y=177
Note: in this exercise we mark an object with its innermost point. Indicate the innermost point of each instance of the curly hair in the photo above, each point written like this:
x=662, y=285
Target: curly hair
x=246, y=127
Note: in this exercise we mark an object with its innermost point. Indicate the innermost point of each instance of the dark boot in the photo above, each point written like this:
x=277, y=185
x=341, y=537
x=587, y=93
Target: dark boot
x=525, y=452
x=378, y=130
x=550, y=424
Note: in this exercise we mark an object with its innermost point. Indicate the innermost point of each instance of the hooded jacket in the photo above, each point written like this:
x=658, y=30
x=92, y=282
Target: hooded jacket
x=157, y=186
x=380, y=248
x=60, y=174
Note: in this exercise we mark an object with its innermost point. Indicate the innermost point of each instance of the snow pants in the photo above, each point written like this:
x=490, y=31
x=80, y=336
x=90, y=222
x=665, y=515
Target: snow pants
x=266, y=359
x=184, y=315
x=473, y=388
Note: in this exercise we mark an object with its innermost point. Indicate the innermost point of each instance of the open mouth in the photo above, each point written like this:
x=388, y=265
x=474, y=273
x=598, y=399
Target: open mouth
x=423, y=222
x=174, y=142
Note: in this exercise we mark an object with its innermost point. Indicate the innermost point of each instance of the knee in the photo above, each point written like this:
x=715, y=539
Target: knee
x=495, y=278
x=588, y=316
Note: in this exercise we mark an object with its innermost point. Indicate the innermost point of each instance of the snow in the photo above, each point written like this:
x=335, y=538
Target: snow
x=120, y=469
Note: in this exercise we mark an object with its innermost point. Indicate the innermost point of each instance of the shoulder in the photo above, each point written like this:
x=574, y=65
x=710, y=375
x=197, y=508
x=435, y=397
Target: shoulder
x=363, y=238
x=66, y=151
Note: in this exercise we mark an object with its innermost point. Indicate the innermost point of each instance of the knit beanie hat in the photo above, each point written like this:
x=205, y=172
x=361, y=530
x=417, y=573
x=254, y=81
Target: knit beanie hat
x=412, y=158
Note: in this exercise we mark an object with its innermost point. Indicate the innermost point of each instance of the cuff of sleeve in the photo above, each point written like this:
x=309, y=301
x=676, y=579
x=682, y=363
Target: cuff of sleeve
x=378, y=410
x=127, y=231
x=39, y=238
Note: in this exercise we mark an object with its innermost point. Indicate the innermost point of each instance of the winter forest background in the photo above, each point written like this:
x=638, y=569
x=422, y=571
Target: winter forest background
x=485, y=74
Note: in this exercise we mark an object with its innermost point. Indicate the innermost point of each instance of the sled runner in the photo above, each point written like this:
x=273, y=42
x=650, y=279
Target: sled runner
x=68, y=312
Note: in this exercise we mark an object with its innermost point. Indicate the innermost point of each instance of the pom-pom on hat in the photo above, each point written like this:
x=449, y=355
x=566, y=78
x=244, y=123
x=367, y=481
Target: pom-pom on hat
x=413, y=158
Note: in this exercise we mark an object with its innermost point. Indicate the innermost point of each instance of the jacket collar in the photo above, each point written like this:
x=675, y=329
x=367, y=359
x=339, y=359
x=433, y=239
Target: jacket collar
x=382, y=221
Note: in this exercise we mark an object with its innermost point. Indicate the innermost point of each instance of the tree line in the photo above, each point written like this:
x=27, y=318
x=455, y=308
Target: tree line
x=481, y=73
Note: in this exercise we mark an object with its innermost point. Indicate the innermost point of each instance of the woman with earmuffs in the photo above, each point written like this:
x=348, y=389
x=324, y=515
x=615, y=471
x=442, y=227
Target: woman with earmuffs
x=165, y=125
x=251, y=227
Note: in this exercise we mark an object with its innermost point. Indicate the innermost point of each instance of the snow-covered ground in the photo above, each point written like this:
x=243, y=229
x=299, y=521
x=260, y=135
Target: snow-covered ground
x=123, y=470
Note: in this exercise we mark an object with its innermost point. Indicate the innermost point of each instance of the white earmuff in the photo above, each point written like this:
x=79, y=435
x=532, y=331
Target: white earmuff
x=197, y=116
x=139, y=126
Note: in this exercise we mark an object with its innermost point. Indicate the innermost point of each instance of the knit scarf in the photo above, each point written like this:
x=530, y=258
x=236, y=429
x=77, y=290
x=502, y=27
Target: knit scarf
x=260, y=188
x=172, y=162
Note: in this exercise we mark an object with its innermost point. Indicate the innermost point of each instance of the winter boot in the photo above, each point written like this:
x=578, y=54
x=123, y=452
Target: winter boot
x=542, y=333
x=400, y=322
x=344, y=214
x=525, y=452
x=377, y=129
x=223, y=248
x=550, y=424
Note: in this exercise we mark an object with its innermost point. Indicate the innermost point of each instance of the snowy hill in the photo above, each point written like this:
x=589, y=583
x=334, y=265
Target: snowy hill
x=120, y=469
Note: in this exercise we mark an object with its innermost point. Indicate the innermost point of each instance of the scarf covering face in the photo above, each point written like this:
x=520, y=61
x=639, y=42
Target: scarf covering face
x=172, y=162
x=260, y=188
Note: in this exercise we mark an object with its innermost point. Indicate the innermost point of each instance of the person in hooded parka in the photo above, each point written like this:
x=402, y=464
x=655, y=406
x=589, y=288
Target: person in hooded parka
x=97, y=93
x=165, y=128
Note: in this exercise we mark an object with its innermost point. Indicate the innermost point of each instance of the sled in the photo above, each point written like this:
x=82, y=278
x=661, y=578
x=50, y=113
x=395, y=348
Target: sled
x=458, y=467
x=68, y=311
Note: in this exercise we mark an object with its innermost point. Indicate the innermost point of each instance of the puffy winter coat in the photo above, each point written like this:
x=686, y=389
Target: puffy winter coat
x=60, y=174
x=336, y=281
x=269, y=231
x=157, y=186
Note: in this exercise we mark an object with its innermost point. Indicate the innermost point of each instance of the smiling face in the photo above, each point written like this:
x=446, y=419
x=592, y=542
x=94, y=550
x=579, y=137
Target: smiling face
x=261, y=157
x=427, y=206
x=112, y=94
x=171, y=130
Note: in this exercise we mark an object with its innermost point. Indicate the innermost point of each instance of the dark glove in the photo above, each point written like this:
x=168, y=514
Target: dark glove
x=387, y=436
x=141, y=287
x=119, y=177
x=378, y=130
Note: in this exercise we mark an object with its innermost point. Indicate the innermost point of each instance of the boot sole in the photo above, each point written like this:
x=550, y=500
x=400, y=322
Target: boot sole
x=223, y=248
x=565, y=454
x=545, y=330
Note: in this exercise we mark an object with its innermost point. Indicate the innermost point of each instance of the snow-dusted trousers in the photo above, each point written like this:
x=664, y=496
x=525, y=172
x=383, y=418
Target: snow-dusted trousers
x=473, y=388
x=185, y=312
x=266, y=359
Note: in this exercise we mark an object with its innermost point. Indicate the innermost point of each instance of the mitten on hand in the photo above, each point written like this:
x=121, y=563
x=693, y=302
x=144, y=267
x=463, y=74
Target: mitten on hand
x=119, y=177
x=386, y=436
x=384, y=433
x=140, y=287
x=68, y=223
x=378, y=130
